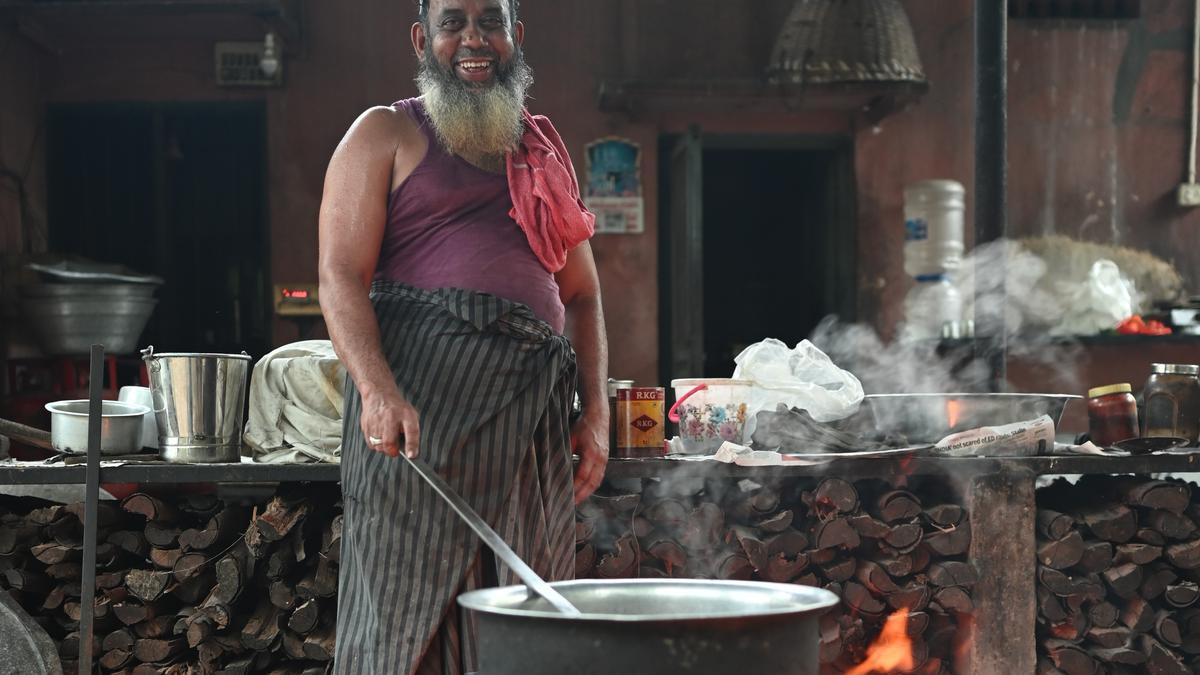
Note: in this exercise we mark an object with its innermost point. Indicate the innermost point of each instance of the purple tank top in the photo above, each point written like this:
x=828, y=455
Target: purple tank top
x=448, y=227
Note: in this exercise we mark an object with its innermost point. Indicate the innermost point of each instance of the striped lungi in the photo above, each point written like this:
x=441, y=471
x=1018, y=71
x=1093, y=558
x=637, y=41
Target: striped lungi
x=493, y=386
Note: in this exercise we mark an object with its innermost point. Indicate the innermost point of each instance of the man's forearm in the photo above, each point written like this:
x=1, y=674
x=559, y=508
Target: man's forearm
x=585, y=318
x=354, y=331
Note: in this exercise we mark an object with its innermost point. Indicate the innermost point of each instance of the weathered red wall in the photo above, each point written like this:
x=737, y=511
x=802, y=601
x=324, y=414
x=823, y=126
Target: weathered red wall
x=1098, y=128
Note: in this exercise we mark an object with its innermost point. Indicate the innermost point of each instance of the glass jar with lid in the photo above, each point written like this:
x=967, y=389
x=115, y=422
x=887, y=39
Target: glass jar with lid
x=1172, y=402
x=1112, y=414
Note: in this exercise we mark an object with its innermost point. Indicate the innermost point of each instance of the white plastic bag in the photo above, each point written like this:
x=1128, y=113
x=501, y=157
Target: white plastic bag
x=803, y=377
x=1098, y=303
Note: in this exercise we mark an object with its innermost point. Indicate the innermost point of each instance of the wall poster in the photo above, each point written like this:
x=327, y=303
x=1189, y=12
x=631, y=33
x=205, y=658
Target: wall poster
x=613, y=190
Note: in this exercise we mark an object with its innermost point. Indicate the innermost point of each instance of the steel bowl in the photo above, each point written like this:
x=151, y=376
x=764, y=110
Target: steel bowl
x=928, y=418
x=120, y=426
x=694, y=626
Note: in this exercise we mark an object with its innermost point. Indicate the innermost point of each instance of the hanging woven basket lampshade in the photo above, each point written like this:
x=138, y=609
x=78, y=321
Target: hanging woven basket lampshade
x=846, y=41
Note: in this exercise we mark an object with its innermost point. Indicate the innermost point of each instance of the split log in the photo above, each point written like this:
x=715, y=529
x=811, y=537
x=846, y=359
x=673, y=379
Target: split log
x=304, y=619
x=835, y=533
x=130, y=613
x=68, y=570
x=1068, y=658
x=165, y=558
x=147, y=585
x=190, y=592
x=282, y=595
x=944, y=515
x=1138, y=554
x=904, y=537
x=280, y=517
x=156, y=627
x=896, y=566
x=31, y=582
x=755, y=548
x=262, y=627
x=233, y=574
x=318, y=645
x=1113, y=523
x=874, y=577
x=151, y=508
x=898, y=505
x=1119, y=655
x=220, y=529
x=1054, y=525
x=321, y=582
x=1137, y=615
x=1072, y=628
x=1146, y=535
x=161, y=535
x=841, y=570
x=130, y=541
x=1160, y=660
x=914, y=596
x=156, y=650
x=1124, y=579
x=1185, y=555
x=955, y=540
x=703, y=528
x=834, y=495
x=859, y=599
x=1167, y=629
x=1050, y=607
x=868, y=527
x=1172, y=525
x=293, y=645
x=953, y=573
x=1155, y=580
x=50, y=554
x=1110, y=637
x=188, y=565
x=1155, y=494
x=1097, y=557
x=1062, y=553
x=954, y=599
x=776, y=523
x=1182, y=595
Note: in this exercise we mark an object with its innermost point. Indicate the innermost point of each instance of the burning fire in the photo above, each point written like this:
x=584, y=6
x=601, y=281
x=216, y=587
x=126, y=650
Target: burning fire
x=891, y=651
x=953, y=410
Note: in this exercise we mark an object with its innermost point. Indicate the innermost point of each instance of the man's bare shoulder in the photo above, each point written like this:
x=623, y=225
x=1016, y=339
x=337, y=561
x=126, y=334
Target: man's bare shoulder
x=382, y=125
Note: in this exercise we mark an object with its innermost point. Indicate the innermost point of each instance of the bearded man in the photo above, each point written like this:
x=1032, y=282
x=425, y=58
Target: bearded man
x=453, y=256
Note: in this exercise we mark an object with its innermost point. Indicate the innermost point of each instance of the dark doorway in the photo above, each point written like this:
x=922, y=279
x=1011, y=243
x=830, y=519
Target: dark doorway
x=774, y=239
x=176, y=190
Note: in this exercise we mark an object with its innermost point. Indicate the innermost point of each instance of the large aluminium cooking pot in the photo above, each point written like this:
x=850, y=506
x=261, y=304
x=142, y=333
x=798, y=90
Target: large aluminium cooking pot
x=651, y=626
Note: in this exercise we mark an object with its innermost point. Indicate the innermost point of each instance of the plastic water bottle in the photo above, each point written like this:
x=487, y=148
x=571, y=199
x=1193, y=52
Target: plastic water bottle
x=931, y=303
x=933, y=227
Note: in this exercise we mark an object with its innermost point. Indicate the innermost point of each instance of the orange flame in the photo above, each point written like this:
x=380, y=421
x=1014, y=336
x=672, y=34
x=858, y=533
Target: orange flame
x=953, y=410
x=891, y=651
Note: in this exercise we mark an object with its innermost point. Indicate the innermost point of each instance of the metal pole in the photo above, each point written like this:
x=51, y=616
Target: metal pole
x=991, y=169
x=91, y=496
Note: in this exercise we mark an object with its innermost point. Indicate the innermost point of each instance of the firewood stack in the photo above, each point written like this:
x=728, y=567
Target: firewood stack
x=1118, y=577
x=878, y=548
x=187, y=585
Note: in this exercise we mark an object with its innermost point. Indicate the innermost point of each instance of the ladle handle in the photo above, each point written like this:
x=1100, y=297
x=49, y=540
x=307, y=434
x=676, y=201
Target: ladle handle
x=531, y=579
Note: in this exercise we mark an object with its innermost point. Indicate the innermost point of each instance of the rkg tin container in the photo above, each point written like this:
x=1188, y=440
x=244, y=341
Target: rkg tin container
x=640, y=422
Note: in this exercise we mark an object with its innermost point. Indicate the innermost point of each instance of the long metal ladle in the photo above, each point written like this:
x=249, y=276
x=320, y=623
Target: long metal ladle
x=536, y=584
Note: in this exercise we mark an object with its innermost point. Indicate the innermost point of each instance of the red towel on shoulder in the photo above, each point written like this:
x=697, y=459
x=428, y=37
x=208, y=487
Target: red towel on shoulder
x=545, y=194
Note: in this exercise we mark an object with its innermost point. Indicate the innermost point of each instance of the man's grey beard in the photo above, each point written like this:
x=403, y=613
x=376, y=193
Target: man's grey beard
x=472, y=120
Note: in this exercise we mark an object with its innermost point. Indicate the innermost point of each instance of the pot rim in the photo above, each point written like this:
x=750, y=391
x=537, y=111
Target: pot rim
x=137, y=409
x=997, y=395
x=820, y=599
x=196, y=355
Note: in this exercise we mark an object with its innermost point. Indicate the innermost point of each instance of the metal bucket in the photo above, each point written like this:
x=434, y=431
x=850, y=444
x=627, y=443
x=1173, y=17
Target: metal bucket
x=693, y=626
x=199, y=403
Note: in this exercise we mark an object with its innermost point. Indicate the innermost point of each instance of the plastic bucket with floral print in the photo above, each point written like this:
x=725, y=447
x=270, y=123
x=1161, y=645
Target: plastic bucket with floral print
x=710, y=412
